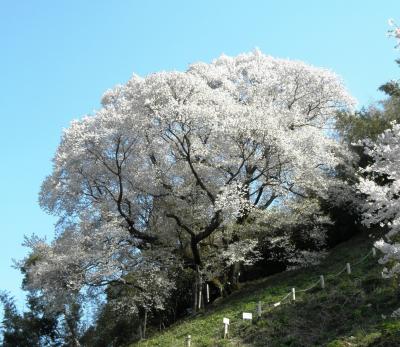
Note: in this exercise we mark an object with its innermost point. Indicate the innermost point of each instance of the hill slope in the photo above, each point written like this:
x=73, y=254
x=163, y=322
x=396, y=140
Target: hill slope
x=350, y=311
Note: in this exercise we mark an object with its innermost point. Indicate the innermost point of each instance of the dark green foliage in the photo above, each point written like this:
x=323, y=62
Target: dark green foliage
x=367, y=123
x=391, y=88
x=112, y=329
x=371, y=121
x=33, y=328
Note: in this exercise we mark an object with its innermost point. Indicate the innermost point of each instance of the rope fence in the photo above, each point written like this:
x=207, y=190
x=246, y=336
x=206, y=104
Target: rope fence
x=309, y=288
x=290, y=296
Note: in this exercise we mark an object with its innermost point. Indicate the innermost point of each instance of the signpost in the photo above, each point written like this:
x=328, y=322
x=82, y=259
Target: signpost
x=226, y=324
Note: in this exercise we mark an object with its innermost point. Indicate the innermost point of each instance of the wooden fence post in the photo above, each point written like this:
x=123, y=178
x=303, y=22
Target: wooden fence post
x=188, y=341
x=322, y=281
x=294, y=294
x=259, y=310
x=348, y=268
x=226, y=325
x=374, y=252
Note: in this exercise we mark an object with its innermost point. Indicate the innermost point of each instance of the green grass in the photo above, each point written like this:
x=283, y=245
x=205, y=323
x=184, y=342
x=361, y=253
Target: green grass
x=350, y=310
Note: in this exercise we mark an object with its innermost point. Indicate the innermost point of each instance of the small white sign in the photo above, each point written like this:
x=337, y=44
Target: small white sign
x=247, y=315
x=226, y=320
x=277, y=304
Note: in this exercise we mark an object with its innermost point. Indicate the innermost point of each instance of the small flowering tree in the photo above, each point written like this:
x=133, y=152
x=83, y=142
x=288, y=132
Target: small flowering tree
x=65, y=269
x=383, y=196
x=381, y=182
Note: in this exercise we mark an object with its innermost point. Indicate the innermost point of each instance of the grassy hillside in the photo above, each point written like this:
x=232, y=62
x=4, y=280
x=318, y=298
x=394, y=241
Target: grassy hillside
x=350, y=311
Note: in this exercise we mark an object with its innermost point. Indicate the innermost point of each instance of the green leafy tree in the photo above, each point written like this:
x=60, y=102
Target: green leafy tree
x=32, y=328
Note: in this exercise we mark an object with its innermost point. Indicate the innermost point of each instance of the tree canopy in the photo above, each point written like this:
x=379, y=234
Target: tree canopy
x=165, y=173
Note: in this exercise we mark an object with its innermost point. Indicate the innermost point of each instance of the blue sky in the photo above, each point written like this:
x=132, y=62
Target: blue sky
x=58, y=57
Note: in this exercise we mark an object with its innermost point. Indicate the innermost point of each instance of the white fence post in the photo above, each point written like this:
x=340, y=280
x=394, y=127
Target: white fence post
x=294, y=294
x=226, y=324
x=259, y=310
x=348, y=268
x=188, y=341
x=374, y=252
x=208, y=293
x=322, y=281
